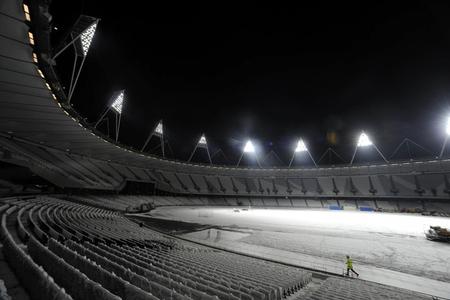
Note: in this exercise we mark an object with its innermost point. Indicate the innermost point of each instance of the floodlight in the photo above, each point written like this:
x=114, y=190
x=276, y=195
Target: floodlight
x=364, y=140
x=448, y=126
x=158, y=132
x=116, y=106
x=249, y=148
x=118, y=103
x=87, y=36
x=202, y=140
x=301, y=147
x=447, y=130
x=159, y=128
x=202, y=143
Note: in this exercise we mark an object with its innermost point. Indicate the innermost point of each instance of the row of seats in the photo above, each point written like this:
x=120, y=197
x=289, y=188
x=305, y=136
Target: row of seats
x=117, y=202
x=95, y=253
x=430, y=185
x=33, y=277
x=133, y=203
x=339, y=288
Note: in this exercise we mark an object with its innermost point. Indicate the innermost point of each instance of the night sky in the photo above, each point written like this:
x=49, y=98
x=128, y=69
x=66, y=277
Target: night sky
x=273, y=74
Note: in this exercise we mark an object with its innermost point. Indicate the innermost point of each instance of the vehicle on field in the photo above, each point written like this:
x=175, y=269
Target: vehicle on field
x=437, y=233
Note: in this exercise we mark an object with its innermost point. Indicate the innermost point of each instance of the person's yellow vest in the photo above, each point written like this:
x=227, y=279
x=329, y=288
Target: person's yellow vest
x=349, y=263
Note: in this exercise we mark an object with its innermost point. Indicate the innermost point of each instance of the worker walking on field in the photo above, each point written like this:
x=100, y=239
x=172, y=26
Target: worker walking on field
x=350, y=266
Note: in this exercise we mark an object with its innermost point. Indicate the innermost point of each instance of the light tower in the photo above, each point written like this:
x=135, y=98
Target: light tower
x=301, y=148
x=249, y=149
x=80, y=36
x=158, y=132
x=447, y=131
x=363, y=142
x=115, y=106
x=202, y=144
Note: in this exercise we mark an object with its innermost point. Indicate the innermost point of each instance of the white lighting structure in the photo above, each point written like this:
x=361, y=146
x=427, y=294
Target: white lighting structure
x=447, y=131
x=250, y=149
x=86, y=37
x=118, y=103
x=202, y=144
x=301, y=148
x=159, y=129
x=363, y=142
x=158, y=132
x=115, y=106
x=80, y=37
x=202, y=140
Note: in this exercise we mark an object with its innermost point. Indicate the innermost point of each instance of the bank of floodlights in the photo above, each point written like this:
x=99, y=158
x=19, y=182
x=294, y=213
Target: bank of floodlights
x=301, y=148
x=115, y=106
x=80, y=37
x=158, y=132
x=201, y=144
x=447, y=131
x=86, y=38
x=118, y=103
x=447, y=128
x=249, y=148
x=363, y=142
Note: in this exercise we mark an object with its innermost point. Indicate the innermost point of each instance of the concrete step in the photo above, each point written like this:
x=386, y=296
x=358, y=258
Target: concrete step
x=308, y=290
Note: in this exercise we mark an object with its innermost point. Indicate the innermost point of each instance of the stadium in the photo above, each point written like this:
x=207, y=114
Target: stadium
x=84, y=216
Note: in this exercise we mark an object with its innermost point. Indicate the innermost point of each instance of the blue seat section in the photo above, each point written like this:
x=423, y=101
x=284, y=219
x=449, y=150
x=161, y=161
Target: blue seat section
x=362, y=208
x=335, y=207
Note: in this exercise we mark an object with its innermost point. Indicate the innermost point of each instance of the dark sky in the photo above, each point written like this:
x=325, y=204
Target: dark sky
x=269, y=73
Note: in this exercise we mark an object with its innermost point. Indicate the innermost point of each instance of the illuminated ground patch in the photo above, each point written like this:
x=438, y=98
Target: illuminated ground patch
x=386, y=247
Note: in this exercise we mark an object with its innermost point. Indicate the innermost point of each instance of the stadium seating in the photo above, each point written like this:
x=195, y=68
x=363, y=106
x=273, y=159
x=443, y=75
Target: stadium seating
x=92, y=252
x=32, y=276
x=337, y=288
x=130, y=203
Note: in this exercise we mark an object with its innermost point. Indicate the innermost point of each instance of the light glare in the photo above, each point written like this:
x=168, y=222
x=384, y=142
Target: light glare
x=118, y=103
x=301, y=147
x=448, y=126
x=249, y=148
x=364, y=140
